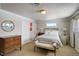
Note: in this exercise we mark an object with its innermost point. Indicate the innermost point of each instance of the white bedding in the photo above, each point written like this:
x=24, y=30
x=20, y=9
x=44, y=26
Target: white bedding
x=52, y=36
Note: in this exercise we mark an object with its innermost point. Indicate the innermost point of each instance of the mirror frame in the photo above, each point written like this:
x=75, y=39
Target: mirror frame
x=5, y=21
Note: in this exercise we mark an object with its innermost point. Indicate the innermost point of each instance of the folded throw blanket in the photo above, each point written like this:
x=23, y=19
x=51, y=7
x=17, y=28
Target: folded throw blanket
x=46, y=41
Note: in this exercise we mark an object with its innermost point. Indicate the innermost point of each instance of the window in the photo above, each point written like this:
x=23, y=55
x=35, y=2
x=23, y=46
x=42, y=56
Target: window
x=51, y=25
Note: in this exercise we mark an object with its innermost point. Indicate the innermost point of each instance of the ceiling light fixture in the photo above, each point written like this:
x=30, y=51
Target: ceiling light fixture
x=43, y=11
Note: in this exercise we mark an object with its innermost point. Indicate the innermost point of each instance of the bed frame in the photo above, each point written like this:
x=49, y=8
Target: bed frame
x=54, y=46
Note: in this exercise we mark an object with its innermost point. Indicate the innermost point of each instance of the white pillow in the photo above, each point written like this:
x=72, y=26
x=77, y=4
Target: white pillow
x=53, y=33
x=47, y=32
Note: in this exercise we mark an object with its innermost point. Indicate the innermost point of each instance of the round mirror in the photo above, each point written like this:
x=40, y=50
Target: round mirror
x=7, y=25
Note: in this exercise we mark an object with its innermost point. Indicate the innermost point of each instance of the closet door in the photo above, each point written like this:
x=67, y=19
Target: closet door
x=77, y=36
x=77, y=41
x=72, y=22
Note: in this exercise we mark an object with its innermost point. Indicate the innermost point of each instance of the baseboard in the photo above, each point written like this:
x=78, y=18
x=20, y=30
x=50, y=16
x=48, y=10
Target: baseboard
x=25, y=42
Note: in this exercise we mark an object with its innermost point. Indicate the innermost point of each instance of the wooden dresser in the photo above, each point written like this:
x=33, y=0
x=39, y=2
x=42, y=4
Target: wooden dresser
x=9, y=43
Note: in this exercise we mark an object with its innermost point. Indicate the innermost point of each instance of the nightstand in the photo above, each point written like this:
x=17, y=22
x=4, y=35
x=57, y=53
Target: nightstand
x=64, y=41
x=40, y=33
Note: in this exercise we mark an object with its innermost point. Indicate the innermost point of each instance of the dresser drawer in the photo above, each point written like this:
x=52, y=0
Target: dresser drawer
x=17, y=40
x=9, y=44
x=7, y=50
x=8, y=40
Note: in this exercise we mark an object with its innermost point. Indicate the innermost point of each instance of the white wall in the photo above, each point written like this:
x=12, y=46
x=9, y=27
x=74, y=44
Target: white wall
x=21, y=26
x=16, y=20
x=34, y=29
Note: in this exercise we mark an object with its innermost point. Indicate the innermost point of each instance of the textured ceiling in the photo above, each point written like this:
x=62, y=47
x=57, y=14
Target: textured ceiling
x=54, y=10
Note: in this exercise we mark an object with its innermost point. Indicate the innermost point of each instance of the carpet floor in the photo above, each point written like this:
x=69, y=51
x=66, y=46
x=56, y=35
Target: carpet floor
x=28, y=50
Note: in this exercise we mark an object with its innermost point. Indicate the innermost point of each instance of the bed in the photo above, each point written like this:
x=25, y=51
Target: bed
x=49, y=40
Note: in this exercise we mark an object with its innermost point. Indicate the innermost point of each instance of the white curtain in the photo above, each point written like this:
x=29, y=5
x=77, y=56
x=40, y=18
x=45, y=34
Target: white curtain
x=77, y=27
x=73, y=29
x=77, y=36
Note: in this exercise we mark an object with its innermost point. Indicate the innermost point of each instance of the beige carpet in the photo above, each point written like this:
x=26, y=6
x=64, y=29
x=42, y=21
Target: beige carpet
x=28, y=50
